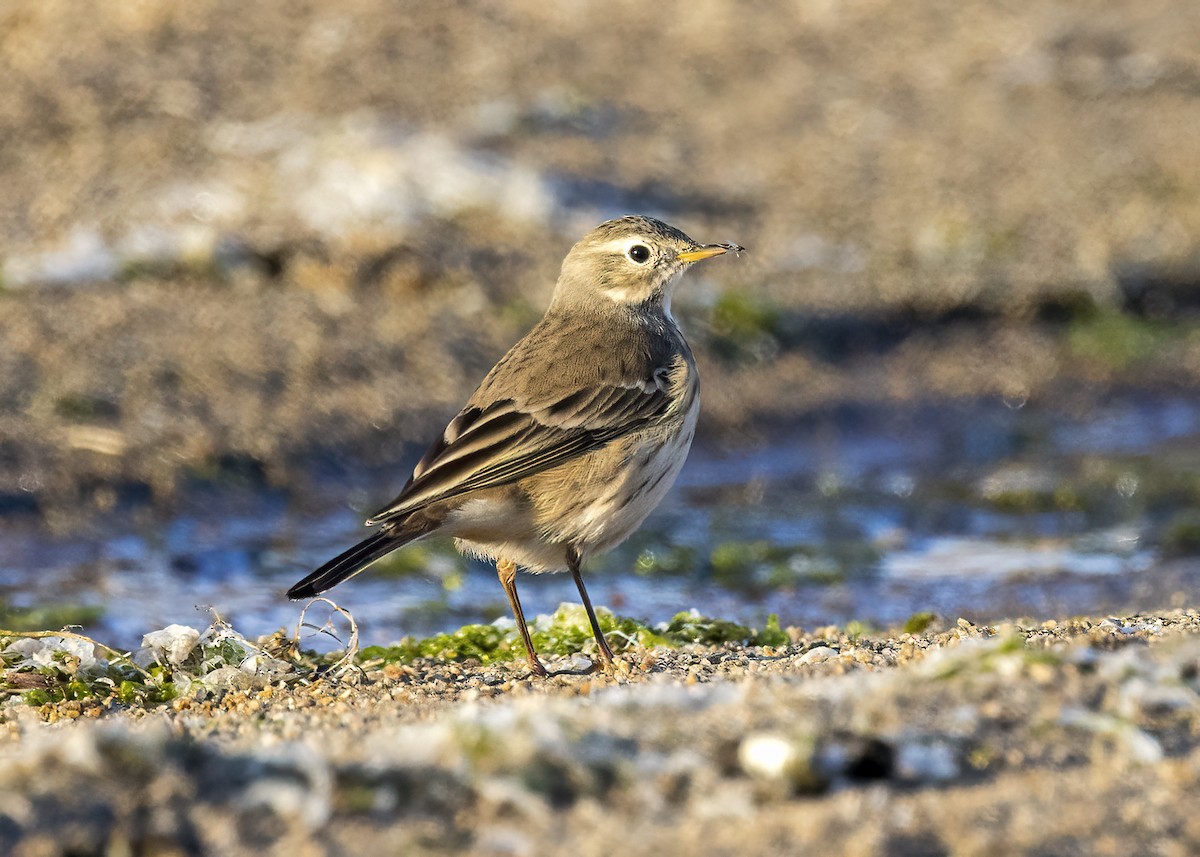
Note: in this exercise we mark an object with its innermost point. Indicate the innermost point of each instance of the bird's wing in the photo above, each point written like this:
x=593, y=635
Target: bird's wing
x=500, y=443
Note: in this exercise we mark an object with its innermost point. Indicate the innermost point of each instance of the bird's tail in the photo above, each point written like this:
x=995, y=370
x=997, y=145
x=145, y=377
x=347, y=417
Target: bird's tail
x=364, y=553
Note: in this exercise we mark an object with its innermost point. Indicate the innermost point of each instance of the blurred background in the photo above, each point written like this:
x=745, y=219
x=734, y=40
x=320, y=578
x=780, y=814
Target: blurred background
x=254, y=256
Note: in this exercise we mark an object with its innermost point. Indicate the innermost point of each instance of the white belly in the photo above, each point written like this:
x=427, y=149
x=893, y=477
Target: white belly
x=593, y=504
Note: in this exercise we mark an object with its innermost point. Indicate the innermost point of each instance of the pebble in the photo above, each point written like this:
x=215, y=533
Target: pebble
x=986, y=706
x=777, y=759
x=818, y=654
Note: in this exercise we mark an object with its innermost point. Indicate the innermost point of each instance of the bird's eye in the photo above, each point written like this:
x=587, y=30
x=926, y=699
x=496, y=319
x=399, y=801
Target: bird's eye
x=639, y=253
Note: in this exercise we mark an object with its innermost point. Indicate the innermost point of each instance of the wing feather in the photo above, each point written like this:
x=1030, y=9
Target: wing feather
x=504, y=442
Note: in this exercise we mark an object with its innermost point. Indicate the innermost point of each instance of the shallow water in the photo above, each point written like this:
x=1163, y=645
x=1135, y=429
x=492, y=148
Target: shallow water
x=984, y=510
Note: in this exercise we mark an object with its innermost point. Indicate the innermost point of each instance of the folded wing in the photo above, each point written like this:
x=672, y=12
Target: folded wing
x=505, y=441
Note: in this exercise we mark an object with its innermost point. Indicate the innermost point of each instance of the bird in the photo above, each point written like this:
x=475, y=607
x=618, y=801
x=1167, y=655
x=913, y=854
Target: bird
x=572, y=438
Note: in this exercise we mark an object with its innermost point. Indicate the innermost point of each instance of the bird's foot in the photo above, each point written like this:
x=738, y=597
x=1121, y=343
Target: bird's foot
x=608, y=661
x=605, y=664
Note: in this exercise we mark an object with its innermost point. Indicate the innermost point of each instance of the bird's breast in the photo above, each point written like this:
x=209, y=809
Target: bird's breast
x=598, y=500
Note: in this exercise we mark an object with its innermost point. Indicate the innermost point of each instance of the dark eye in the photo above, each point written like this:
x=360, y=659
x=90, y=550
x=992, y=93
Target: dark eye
x=639, y=253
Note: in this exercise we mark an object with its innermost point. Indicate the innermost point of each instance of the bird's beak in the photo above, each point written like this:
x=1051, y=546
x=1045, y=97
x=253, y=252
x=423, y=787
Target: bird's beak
x=708, y=251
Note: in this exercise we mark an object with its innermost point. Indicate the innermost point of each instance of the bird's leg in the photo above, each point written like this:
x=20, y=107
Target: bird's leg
x=507, y=571
x=606, y=655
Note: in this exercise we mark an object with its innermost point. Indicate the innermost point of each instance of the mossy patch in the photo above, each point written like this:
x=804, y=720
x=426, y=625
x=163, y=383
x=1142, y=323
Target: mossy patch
x=567, y=631
x=745, y=328
x=691, y=627
x=856, y=629
x=51, y=669
x=436, y=558
x=54, y=670
x=918, y=623
x=666, y=559
x=1118, y=340
x=1106, y=490
x=1180, y=536
x=484, y=643
x=564, y=632
x=765, y=565
x=47, y=616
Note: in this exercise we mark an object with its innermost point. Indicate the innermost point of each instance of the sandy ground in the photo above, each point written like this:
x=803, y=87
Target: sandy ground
x=247, y=243
x=262, y=243
x=1072, y=737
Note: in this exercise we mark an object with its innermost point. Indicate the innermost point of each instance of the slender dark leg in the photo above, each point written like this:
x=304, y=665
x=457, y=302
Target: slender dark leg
x=507, y=571
x=606, y=655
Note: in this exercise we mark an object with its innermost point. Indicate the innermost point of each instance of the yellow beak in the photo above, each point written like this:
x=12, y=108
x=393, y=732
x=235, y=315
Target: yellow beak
x=707, y=252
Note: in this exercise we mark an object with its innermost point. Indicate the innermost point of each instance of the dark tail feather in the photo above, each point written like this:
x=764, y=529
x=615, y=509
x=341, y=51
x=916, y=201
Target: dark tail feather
x=357, y=558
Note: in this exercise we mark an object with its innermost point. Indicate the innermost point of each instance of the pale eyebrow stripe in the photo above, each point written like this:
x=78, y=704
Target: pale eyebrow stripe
x=622, y=244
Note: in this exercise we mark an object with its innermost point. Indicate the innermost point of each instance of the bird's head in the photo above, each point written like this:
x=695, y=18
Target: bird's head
x=632, y=261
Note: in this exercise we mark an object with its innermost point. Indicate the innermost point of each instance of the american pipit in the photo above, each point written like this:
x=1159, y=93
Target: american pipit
x=573, y=437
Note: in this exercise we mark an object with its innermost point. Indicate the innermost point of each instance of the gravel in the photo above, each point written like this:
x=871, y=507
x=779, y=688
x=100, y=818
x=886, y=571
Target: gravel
x=1076, y=735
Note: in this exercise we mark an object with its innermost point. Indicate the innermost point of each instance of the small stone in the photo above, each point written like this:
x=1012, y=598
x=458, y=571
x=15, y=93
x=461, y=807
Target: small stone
x=817, y=655
x=1043, y=674
x=231, y=678
x=776, y=759
x=578, y=662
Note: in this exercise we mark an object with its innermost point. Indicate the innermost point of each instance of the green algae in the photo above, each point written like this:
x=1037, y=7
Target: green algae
x=766, y=565
x=772, y=634
x=1118, y=341
x=691, y=627
x=436, y=557
x=1180, y=536
x=745, y=329
x=66, y=677
x=567, y=631
x=918, y=623
x=47, y=668
x=47, y=616
x=484, y=643
x=564, y=632
x=666, y=559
